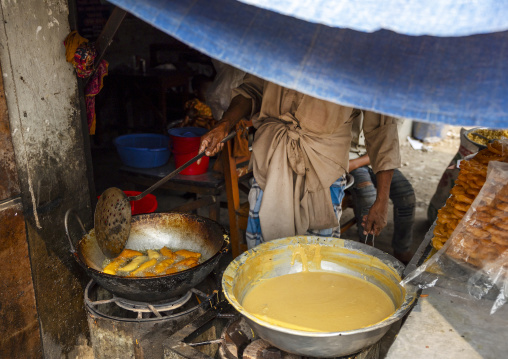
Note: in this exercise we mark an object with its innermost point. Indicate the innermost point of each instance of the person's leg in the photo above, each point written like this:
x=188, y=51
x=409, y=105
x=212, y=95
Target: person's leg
x=404, y=201
x=364, y=194
x=253, y=234
x=337, y=193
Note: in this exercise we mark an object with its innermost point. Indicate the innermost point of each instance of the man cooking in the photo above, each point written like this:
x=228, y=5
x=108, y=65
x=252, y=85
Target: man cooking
x=364, y=194
x=300, y=155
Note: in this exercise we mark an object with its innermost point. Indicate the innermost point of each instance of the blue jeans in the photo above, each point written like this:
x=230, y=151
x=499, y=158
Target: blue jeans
x=254, y=235
x=403, y=198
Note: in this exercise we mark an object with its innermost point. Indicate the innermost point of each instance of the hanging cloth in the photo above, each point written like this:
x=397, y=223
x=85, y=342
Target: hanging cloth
x=81, y=54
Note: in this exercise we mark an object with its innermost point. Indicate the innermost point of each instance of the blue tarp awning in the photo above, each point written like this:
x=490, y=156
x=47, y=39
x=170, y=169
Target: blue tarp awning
x=454, y=72
x=409, y=17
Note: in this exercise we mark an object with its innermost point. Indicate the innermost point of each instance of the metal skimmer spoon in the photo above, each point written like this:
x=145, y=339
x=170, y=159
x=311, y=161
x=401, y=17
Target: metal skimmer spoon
x=112, y=220
x=483, y=137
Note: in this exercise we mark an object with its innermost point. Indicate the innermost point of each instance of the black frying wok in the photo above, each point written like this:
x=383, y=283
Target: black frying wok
x=154, y=231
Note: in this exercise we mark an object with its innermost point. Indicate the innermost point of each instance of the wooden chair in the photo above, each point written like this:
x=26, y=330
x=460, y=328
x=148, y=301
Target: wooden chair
x=236, y=173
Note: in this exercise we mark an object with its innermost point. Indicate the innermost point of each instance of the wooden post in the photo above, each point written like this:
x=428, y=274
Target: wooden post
x=233, y=196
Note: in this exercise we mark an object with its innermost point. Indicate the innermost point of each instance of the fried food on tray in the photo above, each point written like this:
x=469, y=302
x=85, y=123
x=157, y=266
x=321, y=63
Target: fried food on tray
x=481, y=237
x=472, y=177
x=151, y=262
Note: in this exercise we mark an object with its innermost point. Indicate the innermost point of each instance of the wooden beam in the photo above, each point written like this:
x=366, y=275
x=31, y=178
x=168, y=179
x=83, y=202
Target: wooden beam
x=106, y=37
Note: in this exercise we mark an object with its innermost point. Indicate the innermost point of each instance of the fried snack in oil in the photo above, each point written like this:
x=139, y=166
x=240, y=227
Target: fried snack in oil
x=165, y=251
x=133, y=264
x=137, y=264
x=187, y=263
x=145, y=266
x=171, y=270
x=114, y=265
x=129, y=253
x=188, y=254
x=153, y=254
x=163, y=265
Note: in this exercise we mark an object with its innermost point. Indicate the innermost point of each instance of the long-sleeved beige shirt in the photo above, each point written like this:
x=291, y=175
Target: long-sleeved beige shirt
x=301, y=147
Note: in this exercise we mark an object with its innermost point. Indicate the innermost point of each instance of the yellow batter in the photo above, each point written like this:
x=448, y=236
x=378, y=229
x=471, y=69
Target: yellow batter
x=318, y=302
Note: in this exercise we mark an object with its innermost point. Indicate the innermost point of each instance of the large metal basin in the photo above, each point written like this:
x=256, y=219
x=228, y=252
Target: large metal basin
x=273, y=259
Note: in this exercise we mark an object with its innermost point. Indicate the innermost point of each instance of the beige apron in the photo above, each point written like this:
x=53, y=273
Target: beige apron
x=295, y=169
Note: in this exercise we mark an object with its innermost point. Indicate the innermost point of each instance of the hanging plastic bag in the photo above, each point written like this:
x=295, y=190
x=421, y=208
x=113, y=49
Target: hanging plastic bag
x=473, y=262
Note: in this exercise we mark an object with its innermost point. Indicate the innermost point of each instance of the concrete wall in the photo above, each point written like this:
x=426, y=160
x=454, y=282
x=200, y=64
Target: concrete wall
x=19, y=322
x=53, y=169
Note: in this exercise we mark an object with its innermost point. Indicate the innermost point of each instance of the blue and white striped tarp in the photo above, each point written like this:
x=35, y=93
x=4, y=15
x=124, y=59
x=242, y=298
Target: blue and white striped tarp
x=444, y=78
x=409, y=17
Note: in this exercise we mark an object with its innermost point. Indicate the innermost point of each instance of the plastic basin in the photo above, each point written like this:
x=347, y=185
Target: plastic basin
x=143, y=150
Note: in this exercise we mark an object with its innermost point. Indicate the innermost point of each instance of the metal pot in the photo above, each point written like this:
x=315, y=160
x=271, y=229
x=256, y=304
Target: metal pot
x=273, y=259
x=154, y=231
x=472, y=130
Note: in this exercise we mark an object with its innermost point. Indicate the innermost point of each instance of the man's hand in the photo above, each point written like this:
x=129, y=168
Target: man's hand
x=377, y=218
x=359, y=162
x=211, y=141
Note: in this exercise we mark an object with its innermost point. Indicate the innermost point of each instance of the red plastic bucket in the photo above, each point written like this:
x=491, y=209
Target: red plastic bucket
x=147, y=204
x=185, y=144
x=193, y=169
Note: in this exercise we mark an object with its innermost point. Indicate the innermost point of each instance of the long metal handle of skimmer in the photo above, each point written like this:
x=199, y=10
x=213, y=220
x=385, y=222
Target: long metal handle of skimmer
x=483, y=137
x=175, y=172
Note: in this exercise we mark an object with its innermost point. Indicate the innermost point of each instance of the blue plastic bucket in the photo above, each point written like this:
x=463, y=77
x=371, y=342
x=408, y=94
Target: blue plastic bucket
x=144, y=150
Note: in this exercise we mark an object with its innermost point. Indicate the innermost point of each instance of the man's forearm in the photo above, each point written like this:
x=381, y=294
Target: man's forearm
x=359, y=162
x=376, y=220
x=384, y=180
x=239, y=108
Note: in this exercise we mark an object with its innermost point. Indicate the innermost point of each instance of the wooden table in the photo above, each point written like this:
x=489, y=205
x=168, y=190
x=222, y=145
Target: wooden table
x=207, y=186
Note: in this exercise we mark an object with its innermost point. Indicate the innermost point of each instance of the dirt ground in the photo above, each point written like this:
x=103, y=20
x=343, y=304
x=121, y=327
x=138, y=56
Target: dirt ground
x=423, y=168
